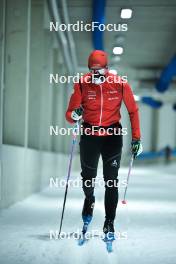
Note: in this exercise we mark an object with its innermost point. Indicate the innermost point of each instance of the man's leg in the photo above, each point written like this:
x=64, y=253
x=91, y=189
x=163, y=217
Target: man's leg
x=89, y=156
x=111, y=155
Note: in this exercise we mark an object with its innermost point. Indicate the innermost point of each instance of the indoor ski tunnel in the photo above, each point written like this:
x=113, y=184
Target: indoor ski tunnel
x=47, y=47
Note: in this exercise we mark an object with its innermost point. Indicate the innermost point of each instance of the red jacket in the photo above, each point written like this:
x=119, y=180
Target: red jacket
x=102, y=103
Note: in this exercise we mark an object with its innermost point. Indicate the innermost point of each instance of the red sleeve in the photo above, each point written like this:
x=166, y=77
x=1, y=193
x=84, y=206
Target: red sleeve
x=132, y=108
x=75, y=102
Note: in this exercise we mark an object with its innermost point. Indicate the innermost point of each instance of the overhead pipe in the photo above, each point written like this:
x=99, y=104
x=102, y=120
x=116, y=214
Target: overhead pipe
x=166, y=76
x=70, y=35
x=2, y=93
x=61, y=35
x=2, y=73
x=27, y=81
x=98, y=16
x=151, y=102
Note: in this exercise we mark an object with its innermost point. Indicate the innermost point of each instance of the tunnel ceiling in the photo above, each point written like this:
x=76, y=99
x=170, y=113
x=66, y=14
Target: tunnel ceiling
x=149, y=41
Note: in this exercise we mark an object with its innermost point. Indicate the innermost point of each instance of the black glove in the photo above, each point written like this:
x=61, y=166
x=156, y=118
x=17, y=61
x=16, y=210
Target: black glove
x=76, y=115
x=136, y=148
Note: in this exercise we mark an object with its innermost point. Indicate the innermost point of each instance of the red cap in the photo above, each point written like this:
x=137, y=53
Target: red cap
x=97, y=59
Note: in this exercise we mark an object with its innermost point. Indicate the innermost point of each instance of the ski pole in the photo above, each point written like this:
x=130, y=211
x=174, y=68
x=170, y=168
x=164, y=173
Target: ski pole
x=129, y=172
x=75, y=128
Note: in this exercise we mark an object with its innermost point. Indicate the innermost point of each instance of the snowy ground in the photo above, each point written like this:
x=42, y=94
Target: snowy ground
x=149, y=221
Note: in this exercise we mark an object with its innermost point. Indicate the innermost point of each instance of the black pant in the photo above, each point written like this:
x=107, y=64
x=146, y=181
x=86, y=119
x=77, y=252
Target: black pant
x=110, y=148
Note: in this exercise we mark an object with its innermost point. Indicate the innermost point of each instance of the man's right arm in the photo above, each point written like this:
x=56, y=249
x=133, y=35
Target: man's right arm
x=74, y=103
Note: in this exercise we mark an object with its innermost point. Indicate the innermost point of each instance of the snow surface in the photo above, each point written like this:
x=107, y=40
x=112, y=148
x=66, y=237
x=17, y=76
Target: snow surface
x=149, y=220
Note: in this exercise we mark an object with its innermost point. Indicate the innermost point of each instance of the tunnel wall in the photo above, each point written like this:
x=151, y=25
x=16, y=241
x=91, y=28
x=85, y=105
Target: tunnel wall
x=30, y=104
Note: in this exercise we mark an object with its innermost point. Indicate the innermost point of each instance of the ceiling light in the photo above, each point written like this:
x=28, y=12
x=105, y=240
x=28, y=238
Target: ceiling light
x=126, y=13
x=116, y=58
x=119, y=39
x=117, y=50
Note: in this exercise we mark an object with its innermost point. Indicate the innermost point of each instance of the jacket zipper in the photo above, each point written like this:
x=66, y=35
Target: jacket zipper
x=101, y=110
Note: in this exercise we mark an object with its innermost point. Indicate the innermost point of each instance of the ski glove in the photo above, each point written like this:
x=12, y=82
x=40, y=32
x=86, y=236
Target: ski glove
x=136, y=148
x=76, y=115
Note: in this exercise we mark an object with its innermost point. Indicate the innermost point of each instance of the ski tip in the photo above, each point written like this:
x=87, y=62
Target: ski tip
x=124, y=202
x=109, y=251
x=109, y=247
x=81, y=242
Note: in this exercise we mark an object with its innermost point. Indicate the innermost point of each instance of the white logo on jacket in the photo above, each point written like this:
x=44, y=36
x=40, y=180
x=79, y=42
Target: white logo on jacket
x=92, y=95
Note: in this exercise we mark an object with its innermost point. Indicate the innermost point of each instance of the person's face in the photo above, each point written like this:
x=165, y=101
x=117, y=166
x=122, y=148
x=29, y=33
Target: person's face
x=99, y=72
x=98, y=75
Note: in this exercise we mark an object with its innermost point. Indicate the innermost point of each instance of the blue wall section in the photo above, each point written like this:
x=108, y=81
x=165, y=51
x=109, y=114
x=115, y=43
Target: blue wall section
x=98, y=16
x=153, y=155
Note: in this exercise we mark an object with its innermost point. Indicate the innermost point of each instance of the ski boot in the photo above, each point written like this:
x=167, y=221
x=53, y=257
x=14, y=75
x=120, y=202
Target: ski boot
x=87, y=214
x=109, y=232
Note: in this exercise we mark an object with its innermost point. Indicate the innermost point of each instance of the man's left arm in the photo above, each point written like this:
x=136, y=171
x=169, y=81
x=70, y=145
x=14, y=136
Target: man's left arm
x=133, y=111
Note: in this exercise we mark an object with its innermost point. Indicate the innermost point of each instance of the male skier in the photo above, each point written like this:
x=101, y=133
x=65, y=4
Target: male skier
x=97, y=99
